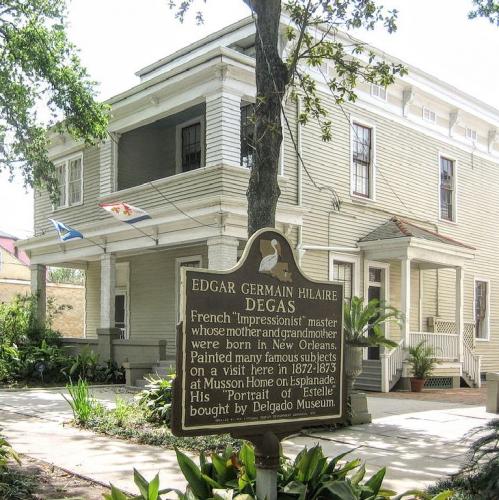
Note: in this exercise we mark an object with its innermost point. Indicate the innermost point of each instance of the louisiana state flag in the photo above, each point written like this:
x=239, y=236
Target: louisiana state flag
x=125, y=212
x=66, y=233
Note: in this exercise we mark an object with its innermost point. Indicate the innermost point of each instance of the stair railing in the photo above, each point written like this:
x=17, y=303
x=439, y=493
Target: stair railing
x=472, y=365
x=391, y=362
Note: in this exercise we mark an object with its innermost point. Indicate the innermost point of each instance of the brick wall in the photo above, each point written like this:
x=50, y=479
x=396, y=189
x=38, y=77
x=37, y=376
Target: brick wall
x=70, y=323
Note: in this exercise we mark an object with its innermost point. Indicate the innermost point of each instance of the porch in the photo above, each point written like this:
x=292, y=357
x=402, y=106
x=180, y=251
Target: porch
x=417, y=250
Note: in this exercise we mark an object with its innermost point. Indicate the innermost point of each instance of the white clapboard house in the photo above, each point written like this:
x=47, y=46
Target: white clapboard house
x=416, y=166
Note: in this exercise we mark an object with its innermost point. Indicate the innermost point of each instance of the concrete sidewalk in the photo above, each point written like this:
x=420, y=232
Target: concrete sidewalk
x=418, y=441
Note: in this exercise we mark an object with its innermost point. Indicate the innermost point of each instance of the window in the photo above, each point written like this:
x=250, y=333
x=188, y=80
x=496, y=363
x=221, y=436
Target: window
x=481, y=309
x=70, y=177
x=429, y=115
x=378, y=91
x=471, y=134
x=343, y=272
x=247, y=135
x=362, y=164
x=191, y=147
x=121, y=302
x=447, y=189
x=120, y=313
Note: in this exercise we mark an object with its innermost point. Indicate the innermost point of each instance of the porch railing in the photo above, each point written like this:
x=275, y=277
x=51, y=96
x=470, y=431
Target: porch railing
x=446, y=345
x=446, y=326
x=472, y=365
x=391, y=362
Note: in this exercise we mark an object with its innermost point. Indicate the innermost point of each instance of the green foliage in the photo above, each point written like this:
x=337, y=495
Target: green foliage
x=363, y=324
x=82, y=404
x=311, y=476
x=478, y=478
x=29, y=350
x=6, y=453
x=156, y=399
x=66, y=275
x=13, y=486
x=129, y=420
x=422, y=360
x=489, y=9
x=40, y=67
x=149, y=490
x=84, y=365
x=16, y=485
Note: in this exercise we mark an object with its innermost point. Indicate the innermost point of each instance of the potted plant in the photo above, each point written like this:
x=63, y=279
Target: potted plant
x=363, y=328
x=422, y=361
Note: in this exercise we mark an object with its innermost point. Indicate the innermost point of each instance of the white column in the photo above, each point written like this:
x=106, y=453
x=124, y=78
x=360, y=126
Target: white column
x=223, y=129
x=405, y=298
x=39, y=288
x=108, y=163
x=222, y=252
x=459, y=310
x=107, y=289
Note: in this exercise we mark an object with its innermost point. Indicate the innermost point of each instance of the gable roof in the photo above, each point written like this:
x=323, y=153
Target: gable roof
x=400, y=228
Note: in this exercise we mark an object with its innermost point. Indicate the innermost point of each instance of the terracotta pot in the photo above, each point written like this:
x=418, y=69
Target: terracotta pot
x=353, y=364
x=417, y=384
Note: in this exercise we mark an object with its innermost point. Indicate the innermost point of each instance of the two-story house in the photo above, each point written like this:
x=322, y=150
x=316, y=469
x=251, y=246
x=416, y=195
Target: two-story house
x=415, y=165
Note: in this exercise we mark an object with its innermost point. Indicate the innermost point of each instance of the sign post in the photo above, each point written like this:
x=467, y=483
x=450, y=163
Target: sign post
x=259, y=352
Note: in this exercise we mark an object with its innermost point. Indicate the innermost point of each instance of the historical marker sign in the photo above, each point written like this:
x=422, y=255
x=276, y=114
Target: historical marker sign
x=259, y=346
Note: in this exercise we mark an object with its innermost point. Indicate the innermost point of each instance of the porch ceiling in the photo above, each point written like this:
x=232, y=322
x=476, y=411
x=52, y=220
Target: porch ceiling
x=398, y=239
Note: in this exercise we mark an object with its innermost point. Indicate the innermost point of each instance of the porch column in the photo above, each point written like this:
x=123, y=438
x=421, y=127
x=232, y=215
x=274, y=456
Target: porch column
x=459, y=310
x=107, y=332
x=405, y=298
x=223, y=129
x=222, y=252
x=39, y=288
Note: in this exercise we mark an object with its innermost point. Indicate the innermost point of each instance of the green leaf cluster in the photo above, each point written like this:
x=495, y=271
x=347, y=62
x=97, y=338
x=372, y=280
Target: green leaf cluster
x=422, y=360
x=156, y=398
x=40, y=70
x=363, y=324
x=311, y=476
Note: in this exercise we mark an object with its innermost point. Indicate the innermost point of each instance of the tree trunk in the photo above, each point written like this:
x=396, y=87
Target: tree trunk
x=271, y=80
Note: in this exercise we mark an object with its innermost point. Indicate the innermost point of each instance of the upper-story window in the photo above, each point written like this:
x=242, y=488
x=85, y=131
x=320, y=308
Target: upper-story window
x=362, y=145
x=447, y=189
x=247, y=136
x=471, y=134
x=378, y=91
x=69, y=174
x=428, y=115
x=191, y=147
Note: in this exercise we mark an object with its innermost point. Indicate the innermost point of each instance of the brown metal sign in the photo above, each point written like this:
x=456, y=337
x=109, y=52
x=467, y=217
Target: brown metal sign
x=259, y=347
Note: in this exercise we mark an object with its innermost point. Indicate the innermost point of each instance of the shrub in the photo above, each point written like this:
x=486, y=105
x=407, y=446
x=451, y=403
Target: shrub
x=156, y=399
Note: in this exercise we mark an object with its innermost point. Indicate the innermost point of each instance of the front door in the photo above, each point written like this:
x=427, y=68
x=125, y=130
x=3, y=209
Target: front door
x=374, y=291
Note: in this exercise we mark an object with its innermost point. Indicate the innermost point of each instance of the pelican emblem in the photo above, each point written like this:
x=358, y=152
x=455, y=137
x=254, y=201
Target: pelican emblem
x=270, y=261
x=271, y=251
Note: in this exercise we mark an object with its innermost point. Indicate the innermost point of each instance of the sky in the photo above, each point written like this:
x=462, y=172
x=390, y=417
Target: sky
x=118, y=37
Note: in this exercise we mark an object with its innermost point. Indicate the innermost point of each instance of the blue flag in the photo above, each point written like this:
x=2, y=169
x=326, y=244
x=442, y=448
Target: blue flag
x=66, y=233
